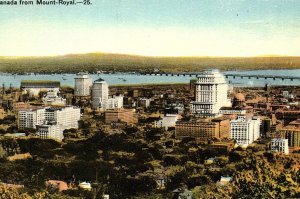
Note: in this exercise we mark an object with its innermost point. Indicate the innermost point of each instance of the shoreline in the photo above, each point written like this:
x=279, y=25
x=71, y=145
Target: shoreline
x=143, y=73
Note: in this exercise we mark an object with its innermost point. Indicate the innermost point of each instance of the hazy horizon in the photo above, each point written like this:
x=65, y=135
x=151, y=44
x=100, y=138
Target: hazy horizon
x=221, y=28
x=139, y=55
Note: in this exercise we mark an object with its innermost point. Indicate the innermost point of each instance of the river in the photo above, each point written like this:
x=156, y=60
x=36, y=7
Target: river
x=124, y=78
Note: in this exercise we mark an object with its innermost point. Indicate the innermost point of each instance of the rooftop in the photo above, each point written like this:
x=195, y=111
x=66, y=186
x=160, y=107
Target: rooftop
x=99, y=80
x=39, y=83
x=239, y=96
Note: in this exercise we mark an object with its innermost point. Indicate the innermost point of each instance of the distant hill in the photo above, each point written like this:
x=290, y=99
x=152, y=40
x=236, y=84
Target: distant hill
x=93, y=62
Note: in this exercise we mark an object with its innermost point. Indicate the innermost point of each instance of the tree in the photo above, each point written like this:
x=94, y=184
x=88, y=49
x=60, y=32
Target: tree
x=154, y=134
x=131, y=130
x=70, y=133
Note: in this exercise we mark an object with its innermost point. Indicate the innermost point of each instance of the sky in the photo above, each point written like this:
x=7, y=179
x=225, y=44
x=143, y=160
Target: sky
x=153, y=28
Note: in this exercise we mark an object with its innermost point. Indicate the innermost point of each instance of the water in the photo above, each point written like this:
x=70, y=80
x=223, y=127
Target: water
x=123, y=78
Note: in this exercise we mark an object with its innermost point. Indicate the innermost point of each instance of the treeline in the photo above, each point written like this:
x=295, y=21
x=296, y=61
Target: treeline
x=128, y=63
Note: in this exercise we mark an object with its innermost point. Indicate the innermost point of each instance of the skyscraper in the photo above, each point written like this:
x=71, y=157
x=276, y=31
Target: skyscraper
x=210, y=94
x=99, y=94
x=83, y=84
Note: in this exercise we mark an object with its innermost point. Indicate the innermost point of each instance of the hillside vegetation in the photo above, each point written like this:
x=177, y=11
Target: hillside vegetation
x=93, y=62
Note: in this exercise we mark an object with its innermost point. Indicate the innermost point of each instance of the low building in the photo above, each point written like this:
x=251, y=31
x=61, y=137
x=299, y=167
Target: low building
x=292, y=134
x=203, y=130
x=287, y=115
x=285, y=94
x=60, y=185
x=85, y=186
x=182, y=194
x=105, y=196
x=224, y=180
x=17, y=106
x=115, y=102
x=120, y=115
x=144, y=102
x=166, y=121
x=34, y=87
x=280, y=145
x=174, y=108
x=53, y=99
x=275, y=107
x=50, y=131
x=232, y=111
x=295, y=123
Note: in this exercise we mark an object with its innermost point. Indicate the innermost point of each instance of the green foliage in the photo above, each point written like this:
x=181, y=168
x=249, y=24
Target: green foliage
x=154, y=134
x=36, y=146
x=131, y=130
x=9, y=119
x=127, y=165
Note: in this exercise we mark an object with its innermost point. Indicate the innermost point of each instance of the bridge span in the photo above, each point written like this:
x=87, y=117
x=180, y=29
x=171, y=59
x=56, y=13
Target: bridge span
x=233, y=76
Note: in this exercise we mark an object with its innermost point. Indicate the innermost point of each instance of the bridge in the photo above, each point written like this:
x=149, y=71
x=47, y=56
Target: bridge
x=233, y=76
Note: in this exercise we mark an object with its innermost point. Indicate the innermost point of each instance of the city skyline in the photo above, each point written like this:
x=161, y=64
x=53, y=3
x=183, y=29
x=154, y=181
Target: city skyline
x=169, y=28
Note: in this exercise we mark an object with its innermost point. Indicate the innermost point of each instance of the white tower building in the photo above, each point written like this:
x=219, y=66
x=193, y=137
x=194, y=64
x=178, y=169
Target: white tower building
x=210, y=94
x=245, y=130
x=83, y=84
x=29, y=118
x=100, y=94
x=50, y=122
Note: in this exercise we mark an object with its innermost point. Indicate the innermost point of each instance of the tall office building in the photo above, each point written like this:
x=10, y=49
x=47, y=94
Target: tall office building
x=210, y=94
x=100, y=98
x=83, y=84
x=66, y=117
x=50, y=122
x=245, y=130
x=99, y=94
x=29, y=118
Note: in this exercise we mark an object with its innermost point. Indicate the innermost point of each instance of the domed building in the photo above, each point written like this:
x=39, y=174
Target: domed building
x=238, y=100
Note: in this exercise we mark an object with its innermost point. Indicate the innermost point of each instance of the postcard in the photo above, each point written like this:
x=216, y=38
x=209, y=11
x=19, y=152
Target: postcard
x=121, y=99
